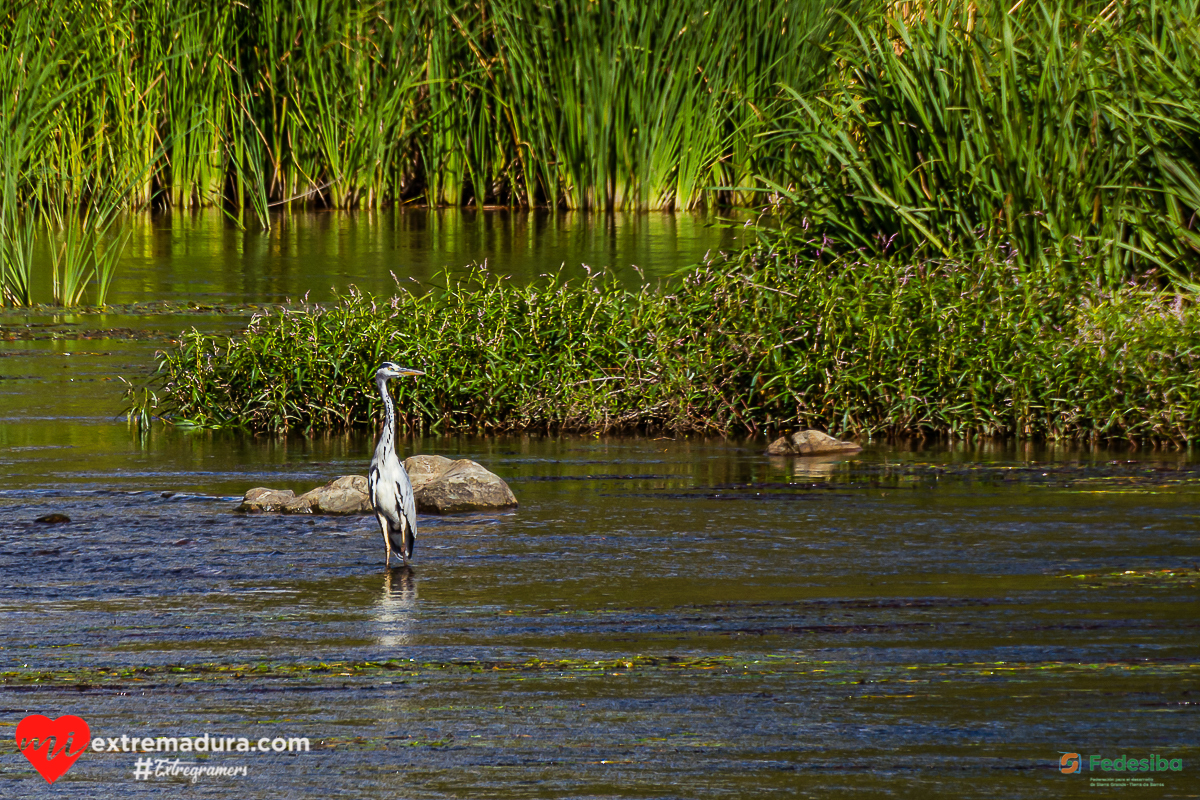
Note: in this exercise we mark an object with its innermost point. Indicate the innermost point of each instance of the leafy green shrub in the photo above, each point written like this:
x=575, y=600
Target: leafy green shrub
x=756, y=344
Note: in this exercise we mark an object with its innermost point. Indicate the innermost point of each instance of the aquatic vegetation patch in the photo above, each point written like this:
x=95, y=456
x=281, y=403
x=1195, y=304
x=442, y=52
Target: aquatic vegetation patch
x=1172, y=472
x=60, y=331
x=765, y=664
x=88, y=677
x=762, y=341
x=1176, y=578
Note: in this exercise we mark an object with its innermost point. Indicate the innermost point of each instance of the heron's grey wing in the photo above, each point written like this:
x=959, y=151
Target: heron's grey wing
x=408, y=503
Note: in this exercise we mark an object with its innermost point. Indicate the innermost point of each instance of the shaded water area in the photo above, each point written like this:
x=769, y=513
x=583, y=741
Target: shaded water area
x=203, y=257
x=658, y=618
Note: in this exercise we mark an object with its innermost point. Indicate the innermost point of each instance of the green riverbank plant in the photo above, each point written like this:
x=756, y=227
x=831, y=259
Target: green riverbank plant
x=1055, y=134
x=75, y=149
x=764, y=342
x=1054, y=130
x=85, y=254
x=618, y=105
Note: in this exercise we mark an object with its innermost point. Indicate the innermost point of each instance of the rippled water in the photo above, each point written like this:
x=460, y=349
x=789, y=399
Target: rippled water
x=658, y=618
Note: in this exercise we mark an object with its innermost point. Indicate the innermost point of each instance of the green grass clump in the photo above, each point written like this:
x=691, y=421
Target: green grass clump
x=756, y=344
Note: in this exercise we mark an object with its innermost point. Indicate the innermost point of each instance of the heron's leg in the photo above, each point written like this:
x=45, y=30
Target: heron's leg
x=387, y=543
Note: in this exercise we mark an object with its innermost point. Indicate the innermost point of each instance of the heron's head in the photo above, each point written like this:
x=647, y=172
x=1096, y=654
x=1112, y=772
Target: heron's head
x=389, y=369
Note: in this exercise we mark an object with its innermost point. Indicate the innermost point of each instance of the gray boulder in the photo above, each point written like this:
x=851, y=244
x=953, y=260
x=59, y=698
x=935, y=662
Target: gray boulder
x=422, y=469
x=442, y=486
x=810, y=443
x=263, y=499
x=344, y=495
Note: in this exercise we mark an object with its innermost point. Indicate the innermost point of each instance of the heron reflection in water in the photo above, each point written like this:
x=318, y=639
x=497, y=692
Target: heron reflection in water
x=395, y=612
x=390, y=489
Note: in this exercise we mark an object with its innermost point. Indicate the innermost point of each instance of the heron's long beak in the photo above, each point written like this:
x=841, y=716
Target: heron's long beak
x=405, y=372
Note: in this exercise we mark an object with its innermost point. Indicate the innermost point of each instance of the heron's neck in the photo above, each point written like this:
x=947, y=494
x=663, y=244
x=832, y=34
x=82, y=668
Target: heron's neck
x=388, y=434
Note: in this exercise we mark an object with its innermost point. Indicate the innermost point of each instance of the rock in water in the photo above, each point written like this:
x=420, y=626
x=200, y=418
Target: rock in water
x=440, y=486
x=422, y=469
x=810, y=443
x=53, y=519
x=461, y=485
x=263, y=499
x=344, y=495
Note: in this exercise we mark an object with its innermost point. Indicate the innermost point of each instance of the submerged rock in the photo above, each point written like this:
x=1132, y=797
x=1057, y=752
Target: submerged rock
x=810, y=443
x=53, y=519
x=442, y=486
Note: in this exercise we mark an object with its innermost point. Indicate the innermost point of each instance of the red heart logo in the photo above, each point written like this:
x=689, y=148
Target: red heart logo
x=35, y=734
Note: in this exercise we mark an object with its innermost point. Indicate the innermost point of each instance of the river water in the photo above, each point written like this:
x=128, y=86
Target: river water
x=658, y=618
x=202, y=258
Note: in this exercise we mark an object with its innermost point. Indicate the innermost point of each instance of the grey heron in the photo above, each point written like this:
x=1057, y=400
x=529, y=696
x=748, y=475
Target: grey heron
x=391, y=490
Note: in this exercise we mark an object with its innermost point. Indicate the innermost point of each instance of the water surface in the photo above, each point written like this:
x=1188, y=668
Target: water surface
x=657, y=618
x=204, y=257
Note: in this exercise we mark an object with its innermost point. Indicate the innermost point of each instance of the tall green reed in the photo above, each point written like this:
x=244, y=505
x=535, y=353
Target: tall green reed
x=580, y=105
x=33, y=98
x=74, y=145
x=86, y=251
x=1055, y=130
x=1051, y=132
